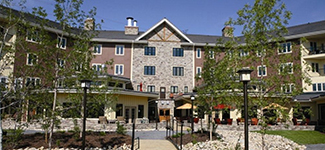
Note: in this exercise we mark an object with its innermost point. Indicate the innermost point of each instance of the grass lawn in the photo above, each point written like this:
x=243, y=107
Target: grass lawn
x=301, y=137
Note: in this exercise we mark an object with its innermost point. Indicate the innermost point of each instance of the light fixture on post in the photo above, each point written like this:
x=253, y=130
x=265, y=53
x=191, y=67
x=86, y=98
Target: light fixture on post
x=156, y=115
x=85, y=84
x=245, y=77
x=192, y=118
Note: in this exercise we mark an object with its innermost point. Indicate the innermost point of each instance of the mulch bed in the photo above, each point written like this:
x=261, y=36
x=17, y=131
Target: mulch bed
x=69, y=140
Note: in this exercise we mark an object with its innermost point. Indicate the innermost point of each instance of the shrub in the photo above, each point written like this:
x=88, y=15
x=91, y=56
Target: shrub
x=120, y=129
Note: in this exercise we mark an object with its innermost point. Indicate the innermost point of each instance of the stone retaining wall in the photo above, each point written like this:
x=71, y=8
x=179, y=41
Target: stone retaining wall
x=92, y=124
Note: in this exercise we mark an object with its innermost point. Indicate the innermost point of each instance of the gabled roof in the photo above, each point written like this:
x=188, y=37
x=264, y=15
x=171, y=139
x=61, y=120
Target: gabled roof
x=168, y=23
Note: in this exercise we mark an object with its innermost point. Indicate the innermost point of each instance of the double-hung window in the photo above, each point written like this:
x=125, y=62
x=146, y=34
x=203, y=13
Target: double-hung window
x=198, y=71
x=97, y=49
x=286, y=68
x=3, y=83
x=287, y=88
x=198, y=53
x=151, y=88
x=149, y=70
x=98, y=67
x=32, y=36
x=61, y=63
x=178, y=52
x=31, y=59
x=150, y=51
x=211, y=54
x=119, y=50
x=261, y=71
x=243, y=53
x=185, y=89
x=285, y=48
x=178, y=71
x=119, y=69
x=33, y=81
x=174, y=89
x=62, y=42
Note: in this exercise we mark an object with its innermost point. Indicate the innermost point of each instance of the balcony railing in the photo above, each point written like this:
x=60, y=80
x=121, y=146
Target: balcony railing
x=316, y=50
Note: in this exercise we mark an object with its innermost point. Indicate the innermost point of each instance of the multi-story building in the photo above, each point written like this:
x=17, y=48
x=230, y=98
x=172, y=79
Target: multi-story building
x=165, y=61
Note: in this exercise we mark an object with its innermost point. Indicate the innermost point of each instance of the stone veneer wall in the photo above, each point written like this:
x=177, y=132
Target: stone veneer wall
x=164, y=63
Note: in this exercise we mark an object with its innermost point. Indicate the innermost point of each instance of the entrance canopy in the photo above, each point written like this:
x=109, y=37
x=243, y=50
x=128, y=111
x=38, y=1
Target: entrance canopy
x=308, y=96
x=186, y=106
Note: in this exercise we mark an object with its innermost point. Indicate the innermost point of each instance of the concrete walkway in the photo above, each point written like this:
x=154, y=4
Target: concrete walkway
x=153, y=140
x=156, y=145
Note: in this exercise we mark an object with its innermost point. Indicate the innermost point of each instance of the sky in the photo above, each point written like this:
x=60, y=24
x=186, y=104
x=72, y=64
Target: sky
x=206, y=17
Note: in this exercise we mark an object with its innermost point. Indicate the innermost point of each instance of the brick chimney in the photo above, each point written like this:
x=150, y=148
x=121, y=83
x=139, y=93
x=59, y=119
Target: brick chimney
x=89, y=24
x=226, y=31
x=131, y=29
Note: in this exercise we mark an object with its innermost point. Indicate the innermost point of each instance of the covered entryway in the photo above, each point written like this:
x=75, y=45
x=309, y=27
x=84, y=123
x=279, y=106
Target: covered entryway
x=130, y=113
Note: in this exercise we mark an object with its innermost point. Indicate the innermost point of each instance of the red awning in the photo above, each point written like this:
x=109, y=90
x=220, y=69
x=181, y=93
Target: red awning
x=222, y=106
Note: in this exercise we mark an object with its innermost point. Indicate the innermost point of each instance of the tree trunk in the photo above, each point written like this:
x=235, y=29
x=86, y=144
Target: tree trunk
x=53, y=109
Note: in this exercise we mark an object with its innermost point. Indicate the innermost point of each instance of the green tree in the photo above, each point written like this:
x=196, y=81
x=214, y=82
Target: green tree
x=8, y=23
x=57, y=56
x=260, y=48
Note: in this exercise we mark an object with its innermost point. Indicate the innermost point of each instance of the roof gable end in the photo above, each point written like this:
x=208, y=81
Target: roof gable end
x=166, y=24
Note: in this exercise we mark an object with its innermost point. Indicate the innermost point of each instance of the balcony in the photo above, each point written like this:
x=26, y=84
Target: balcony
x=314, y=53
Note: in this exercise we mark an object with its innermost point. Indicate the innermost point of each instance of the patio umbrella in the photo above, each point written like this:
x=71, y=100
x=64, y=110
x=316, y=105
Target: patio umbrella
x=274, y=105
x=186, y=106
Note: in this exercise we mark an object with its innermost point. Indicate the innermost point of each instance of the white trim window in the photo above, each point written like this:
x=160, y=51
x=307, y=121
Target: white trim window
x=211, y=54
x=61, y=63
x=260, y=53
x=285, y=48
x=119, y=49
x=174, y=89
x=150, y=88
x=286, y=68
x=198, y=71
x=243, y=53
x=3, y=82
x=198, y=53
x=119, y=69
x=31, y=59
x=287, y=88
x=18, y=83
x=185, y=89
x=97, y=49
x=261, y=71
x=33, y=81
x=32, y=36
x=62, y=42
x=97, y=67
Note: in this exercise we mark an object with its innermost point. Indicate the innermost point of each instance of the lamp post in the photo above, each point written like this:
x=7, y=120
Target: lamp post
x=156, y=115
x=192, y=120
x=245, y=77
x=85, y=84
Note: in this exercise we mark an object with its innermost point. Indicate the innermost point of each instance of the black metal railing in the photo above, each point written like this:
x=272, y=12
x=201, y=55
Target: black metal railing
x=137, y=143
x=176, y=137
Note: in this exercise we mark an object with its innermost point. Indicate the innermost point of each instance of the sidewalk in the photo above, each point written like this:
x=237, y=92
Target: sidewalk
x=156, y=145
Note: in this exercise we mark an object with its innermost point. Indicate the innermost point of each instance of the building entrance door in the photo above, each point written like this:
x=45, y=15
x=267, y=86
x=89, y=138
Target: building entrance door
x=162, y=92
x=129, y=113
